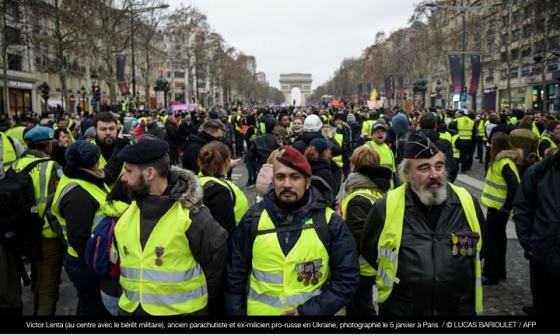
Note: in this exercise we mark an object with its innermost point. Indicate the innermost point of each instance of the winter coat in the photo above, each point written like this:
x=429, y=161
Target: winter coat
x=186, y=130
x=343, y=256
x=264, y=179
x=356, y=132
x=432, y=280
x=446, y=148
x=322, y=168
x=401, y=141
x=536, y=216
x=207, y=239
x=155, y=130
x=307, y=137
x=501, y=127
x=192, y=148
x=524, y=138
x=172, y=134
x=261, y=149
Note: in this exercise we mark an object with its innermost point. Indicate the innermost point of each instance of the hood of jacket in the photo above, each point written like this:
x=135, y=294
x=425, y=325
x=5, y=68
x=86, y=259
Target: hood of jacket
x=307, y=137
x=201, y=139
x=515, y=155
x=431, y=134
x=526, y=123
x=186, y=188
x=400, y=123
x=320, y=164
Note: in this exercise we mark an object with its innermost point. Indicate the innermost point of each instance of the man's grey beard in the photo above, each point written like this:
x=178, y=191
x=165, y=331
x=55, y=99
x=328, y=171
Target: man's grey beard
x=430, y=197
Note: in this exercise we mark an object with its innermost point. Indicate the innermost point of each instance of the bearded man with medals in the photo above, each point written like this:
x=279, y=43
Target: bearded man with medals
x=426, y=240
x=291, y=253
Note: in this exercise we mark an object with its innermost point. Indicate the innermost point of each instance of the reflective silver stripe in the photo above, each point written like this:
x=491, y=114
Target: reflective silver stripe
x=300, y=299
x=386, y=280
x=43, y=184
x=132, y=295
x=477, y=257
x=63, y=226
x=113, y=256
x=393, y=257
x=370, y=197
x=277, y=302
x=478, y=282
x=171, y=277
x=172, y=299
x=15, y=163
x=389, y=166
x=493, y=197
x=268, y=277
x=98, y=218
x=130, y=273
x=498, y=186
x=362, y=260
x=67, y=189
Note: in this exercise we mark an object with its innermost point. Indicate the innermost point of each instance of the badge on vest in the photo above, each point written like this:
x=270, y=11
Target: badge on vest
x=468, y=244
x=159, y=253
x=125, y=249
x=309, y=272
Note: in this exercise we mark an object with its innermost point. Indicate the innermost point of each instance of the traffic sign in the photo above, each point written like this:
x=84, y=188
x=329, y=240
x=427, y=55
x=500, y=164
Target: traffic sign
x=463, y=98
x=93, y=102
x=72, y=99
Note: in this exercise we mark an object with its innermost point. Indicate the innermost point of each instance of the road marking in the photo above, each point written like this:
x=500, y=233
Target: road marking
x=510, y=228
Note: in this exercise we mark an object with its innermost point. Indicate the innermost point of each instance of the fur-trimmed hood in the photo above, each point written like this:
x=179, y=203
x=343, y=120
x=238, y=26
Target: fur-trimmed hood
x=515, y=155
x=186, y=189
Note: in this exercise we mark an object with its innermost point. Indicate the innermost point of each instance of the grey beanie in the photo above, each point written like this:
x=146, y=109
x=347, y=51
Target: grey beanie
x=350, y=118
x=89, y=132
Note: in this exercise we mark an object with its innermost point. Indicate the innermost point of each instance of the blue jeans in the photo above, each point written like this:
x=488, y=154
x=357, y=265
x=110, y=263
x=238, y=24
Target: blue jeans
x=87, y=287
x=251, y=173
x=111, y=303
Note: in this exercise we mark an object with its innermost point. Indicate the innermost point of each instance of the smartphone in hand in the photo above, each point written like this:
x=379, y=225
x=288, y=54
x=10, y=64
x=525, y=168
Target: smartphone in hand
x=128, y=121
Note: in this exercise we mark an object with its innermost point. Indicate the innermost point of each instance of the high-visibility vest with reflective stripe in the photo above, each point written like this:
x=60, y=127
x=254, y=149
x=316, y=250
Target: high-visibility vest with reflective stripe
x=552, y=145
x=64, y=186
x=365, y=268
x=366, y=127
x=513, y=120
x=447, y=120
x=482, y=129
x=456, y=151
x=238, y=123
x=41, y=175
x=338, y=159
x=17, y=133
x=241, y=205
x=9, y=154
x=465, y=126
x=494, y=194
x=386, y=157
x=391, y=236
x=114, y=210
x=536, y=130
x=273, y=285
x=177, y=285
x=446, y=136
x=263, y=128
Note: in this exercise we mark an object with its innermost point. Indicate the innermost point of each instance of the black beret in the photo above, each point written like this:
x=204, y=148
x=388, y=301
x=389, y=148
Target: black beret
x=144, y=151
x=420, y=147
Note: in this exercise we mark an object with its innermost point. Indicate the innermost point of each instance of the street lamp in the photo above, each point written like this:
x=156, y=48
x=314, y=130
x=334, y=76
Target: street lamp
x=132, y=12
x=463, y=8
x=83, y=99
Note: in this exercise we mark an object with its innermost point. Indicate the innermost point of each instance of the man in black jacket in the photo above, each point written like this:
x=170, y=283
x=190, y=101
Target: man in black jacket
x=264, y=145
x=172, y=134
x=434, y=219
x=428, y=126
x=536, y=219
x=186, y=129
x=153, y=128
x=502, y=127
x=255, y=267
x=212, y=130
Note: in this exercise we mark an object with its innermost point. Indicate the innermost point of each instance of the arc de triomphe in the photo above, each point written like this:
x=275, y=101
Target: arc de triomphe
x=300, y=80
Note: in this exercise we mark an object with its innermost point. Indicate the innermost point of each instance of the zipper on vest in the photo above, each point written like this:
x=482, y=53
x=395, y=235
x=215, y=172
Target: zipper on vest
x=286, y=247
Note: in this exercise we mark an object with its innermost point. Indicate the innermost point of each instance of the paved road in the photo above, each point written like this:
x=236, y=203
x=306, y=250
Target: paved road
x=507, y=298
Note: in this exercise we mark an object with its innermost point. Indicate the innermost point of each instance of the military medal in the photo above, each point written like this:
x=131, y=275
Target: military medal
x=306, y=283
x=125, y=249
x=314, y=281
x=470, y=250
x=463, y=244
x=318, y=275
x=455, y=240
x=159, y=253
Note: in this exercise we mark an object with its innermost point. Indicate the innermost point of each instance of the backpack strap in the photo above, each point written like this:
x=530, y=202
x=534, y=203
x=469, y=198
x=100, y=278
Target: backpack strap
x=322, y=230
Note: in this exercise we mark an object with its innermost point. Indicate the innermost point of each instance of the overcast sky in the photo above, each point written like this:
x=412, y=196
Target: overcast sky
x=302, y=36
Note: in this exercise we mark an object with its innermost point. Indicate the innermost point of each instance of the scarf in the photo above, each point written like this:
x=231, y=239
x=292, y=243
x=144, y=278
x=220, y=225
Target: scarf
x=97, y=173
x=356, y=181
x=553, y=137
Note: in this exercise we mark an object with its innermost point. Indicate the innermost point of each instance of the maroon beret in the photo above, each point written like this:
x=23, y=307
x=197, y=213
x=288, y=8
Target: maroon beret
x=294, y=160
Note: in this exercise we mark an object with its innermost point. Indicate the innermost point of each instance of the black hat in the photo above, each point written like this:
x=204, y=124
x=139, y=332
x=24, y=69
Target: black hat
x=143, y=151
x=420, y=147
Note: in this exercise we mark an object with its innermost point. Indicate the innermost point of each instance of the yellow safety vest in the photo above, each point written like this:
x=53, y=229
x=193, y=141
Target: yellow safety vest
x=552, y=145
x=64, y=186
x=103, y=163
x=391, y=236
x=9, y=154
x=241, y=205
x=17, y=133
x=365, y=268
x=386, y=157
x=482, y=129
x=41, y=175
x=456, y=151
x=163, y=276
x=495, y=187
x=338, y=159
x=536, y=130
x=366, y=127
x=114, y=209
x=446, y=136
x=273, y=285
x=465, y=126
x=238, y=123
